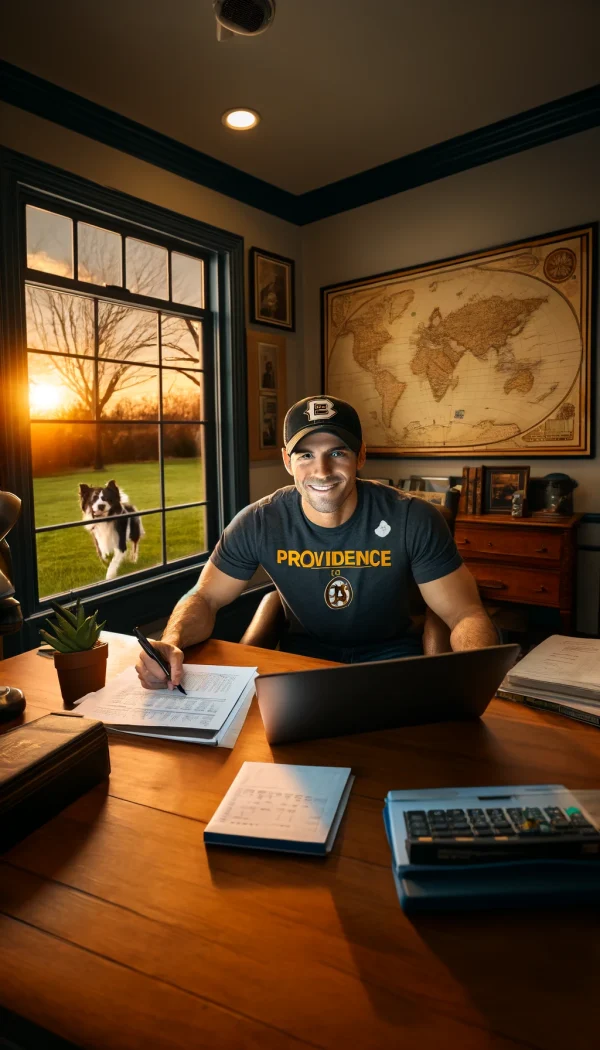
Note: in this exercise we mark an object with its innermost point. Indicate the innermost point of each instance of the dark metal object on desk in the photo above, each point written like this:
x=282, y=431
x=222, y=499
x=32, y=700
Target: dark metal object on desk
x=552, y=495
x=12, y=703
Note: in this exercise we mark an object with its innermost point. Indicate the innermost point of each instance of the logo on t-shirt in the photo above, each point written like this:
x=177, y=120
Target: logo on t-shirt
x=383, y=528
x=319, y=408
x=338, y=593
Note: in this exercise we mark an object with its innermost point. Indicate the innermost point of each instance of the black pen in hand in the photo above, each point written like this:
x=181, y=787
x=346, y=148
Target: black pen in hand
x=152, y=652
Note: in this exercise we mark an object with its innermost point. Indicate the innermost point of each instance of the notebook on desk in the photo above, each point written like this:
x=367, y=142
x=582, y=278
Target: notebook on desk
x=296, y=809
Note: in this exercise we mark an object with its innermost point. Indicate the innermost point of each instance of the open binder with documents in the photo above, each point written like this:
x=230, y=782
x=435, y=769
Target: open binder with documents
x=212, y=711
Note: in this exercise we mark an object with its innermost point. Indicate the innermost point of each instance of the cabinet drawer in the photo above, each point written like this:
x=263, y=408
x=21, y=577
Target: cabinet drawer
x=510, y=539
x=506, y=583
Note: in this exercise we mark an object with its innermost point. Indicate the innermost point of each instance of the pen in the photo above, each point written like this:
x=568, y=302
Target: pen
x=145, y=644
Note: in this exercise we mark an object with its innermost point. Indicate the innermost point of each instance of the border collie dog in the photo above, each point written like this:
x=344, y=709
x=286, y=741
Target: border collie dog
x=111, y=537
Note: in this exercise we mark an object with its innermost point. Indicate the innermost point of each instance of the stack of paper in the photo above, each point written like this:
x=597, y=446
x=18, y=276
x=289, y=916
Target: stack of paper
x=562, y=674
x=293, y=808
x=212, y=712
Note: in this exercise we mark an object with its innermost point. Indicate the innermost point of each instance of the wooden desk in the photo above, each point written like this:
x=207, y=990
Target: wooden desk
x=118, y=930
x=530, y=561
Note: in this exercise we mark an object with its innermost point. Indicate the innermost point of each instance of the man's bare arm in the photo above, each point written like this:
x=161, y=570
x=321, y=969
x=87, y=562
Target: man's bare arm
x=191, y=621
x=193, y=618
x=455, y=599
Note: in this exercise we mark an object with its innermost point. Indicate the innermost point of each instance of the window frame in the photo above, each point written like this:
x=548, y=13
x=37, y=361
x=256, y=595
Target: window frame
x=26, y=181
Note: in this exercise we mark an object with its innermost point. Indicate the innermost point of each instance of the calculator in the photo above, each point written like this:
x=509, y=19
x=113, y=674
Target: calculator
x=487, y=826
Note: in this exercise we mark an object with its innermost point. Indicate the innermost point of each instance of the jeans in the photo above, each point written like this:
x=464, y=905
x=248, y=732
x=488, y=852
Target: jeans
x=392, y=649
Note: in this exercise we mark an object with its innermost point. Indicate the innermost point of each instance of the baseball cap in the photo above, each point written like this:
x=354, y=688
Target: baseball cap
x=318, y=414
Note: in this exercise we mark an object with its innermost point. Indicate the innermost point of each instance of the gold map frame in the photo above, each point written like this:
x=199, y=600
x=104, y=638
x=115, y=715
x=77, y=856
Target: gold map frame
x=486, y=354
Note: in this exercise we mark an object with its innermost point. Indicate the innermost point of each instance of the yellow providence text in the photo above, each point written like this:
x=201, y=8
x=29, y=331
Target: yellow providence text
x=334, y=559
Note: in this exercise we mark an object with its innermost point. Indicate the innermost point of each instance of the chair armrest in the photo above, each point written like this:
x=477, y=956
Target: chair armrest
x=266, y=626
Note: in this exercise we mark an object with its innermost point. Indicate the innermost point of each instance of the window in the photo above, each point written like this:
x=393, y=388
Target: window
x=128, y=377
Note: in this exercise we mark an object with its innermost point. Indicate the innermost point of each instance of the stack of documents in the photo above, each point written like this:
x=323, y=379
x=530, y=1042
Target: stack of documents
x=212, y=712
x=562, y=674
x=297, y=809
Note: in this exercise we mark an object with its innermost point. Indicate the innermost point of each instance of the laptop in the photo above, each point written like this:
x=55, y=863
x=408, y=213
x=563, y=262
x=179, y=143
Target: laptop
x=384, y=694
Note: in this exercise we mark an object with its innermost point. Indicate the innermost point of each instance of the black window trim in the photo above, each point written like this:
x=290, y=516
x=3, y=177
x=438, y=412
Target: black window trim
x=22, y=179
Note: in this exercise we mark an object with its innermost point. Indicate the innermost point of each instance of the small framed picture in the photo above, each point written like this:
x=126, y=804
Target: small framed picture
x=267, y=366
x=267, y=422
x=437, y=498
x=272, y=298
x=500, y=483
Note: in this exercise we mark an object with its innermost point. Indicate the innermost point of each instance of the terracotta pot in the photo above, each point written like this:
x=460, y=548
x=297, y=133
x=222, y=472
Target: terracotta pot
x=81, y=673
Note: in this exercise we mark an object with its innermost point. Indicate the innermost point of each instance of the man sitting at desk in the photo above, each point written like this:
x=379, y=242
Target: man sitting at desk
x=342, y=553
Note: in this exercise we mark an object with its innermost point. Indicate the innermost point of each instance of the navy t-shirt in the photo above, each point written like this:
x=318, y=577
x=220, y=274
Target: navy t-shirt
x=347, y=585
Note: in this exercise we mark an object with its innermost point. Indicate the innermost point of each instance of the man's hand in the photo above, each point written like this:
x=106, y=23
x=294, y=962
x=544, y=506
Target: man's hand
x=151, y=675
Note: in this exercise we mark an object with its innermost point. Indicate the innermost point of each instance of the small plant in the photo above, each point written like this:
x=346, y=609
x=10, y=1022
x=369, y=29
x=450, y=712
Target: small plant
x=74, y=632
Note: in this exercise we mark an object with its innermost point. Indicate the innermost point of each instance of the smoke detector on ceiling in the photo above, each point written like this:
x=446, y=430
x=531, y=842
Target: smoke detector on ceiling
x=243, y=17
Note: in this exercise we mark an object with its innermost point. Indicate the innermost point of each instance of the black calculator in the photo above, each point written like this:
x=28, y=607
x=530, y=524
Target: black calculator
x=491, y=831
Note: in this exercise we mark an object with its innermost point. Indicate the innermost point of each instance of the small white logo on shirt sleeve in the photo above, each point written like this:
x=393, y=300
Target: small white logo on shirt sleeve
x=383, y=528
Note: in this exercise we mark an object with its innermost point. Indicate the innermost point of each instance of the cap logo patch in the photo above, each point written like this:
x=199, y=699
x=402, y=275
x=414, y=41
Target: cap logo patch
x=319, y=408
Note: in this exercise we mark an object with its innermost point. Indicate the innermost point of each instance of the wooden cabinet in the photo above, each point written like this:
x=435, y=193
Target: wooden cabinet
x=525, y=560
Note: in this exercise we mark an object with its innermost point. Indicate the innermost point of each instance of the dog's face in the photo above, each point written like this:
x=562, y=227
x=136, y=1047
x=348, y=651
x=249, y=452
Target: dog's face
x=100, y=503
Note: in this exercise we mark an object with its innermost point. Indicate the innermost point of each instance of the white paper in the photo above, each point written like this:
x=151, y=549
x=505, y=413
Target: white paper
x=226, y=737
x=269, y=800
x=569, y=665
x=212, y=693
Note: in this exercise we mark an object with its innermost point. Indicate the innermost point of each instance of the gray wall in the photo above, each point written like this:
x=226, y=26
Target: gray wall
x=535, y=192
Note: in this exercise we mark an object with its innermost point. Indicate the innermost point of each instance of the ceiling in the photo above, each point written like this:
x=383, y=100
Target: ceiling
x=342, y=85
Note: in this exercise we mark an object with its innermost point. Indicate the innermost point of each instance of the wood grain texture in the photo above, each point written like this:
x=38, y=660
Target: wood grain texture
x=119, y=929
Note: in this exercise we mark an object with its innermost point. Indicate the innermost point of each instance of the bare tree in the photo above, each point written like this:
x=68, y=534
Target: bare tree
x=101, y=350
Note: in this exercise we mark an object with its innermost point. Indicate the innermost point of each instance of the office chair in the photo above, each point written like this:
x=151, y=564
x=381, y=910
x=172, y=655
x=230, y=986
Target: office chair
x=11, y=617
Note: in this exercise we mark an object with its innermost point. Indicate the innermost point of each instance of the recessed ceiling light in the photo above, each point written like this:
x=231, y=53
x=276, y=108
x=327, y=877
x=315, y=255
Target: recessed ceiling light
x=240, y=119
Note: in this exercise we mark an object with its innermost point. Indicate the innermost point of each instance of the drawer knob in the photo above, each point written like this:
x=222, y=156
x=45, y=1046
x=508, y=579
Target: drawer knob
x=541, y=590
x=464, y=541
x=541, y=550
x=490, y=544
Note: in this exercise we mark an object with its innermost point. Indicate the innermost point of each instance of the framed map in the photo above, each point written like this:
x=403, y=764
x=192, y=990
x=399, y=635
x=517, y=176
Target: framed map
x=486, y=354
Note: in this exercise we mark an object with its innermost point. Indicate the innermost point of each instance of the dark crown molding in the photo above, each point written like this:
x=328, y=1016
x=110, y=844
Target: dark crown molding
x=63, y=107
x=535, y=127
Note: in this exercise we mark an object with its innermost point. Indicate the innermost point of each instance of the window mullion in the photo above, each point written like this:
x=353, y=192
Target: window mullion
x=161, y=459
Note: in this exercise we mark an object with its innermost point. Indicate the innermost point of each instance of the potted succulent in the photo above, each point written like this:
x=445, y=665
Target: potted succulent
x=79, y=656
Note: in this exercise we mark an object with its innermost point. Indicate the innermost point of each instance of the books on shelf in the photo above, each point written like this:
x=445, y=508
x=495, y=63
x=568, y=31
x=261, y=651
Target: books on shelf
x=471, y=491
x=212, y=712
x=272, y=806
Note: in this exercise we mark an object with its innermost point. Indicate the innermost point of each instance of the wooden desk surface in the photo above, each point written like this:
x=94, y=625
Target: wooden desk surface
x=118, y=930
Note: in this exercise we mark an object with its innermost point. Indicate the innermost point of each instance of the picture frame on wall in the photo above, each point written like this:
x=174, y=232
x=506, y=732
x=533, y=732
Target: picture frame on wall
x=267, y=394
x=500, y=483
x=272, y=289
x=267, y=421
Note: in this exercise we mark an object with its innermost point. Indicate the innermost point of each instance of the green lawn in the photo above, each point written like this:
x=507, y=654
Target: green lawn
x=67, y=559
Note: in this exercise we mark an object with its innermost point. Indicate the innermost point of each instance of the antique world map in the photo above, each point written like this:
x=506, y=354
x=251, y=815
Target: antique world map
x=485, y=354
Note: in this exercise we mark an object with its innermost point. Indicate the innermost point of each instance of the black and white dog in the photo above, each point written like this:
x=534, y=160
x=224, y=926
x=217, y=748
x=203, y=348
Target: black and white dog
x=111, y=537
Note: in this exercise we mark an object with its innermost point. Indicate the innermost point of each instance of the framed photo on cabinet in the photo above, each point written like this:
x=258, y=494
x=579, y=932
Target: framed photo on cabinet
x=267, y=396
x=272, y=292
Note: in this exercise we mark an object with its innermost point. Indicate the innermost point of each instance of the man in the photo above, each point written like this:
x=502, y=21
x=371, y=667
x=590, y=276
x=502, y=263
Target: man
x=342, y=553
